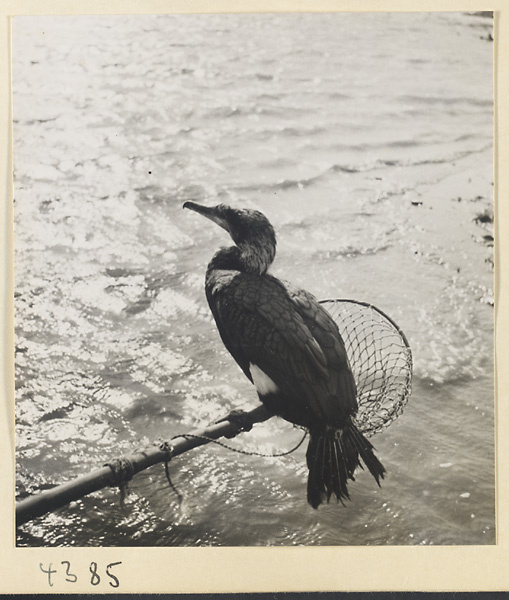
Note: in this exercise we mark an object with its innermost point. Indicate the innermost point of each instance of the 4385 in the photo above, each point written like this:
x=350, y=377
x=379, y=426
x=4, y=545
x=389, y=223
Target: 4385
x=95, y=575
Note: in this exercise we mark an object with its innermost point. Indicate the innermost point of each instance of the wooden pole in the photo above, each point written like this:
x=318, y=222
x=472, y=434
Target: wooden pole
x=47, y=501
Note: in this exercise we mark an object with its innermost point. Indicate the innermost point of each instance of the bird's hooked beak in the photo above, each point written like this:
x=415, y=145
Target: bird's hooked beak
x=214, y=213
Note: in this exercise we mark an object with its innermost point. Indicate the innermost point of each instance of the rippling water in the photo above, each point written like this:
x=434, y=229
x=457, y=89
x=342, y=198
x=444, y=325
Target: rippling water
x=367, y=141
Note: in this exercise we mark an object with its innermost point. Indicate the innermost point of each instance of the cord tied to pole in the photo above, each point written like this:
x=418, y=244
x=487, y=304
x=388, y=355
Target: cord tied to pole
x=123, y=471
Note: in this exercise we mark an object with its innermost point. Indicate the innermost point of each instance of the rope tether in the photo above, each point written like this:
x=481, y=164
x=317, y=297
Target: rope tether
x=188, y=436
x=167, y=447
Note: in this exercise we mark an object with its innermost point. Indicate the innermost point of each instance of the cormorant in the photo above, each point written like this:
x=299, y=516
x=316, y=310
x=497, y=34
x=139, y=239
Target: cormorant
x=290, y=348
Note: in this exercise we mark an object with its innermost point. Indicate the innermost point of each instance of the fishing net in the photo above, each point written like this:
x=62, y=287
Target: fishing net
x=380, y=358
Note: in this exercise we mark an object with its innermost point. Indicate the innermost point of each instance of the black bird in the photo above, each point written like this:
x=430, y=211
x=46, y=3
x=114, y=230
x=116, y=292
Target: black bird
x=290, y=348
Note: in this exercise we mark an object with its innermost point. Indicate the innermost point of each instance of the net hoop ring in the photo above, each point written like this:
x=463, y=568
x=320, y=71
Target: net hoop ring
x=380, y=358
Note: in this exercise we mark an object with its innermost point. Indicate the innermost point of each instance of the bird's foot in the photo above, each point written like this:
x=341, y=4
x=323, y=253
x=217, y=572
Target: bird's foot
x=240, y=418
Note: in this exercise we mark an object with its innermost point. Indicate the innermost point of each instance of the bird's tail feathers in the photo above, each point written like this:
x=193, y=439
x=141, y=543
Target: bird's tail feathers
x=332, y=458
x=365, y=449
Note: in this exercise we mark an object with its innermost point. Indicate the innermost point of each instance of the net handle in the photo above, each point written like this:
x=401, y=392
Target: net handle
x=373, y=307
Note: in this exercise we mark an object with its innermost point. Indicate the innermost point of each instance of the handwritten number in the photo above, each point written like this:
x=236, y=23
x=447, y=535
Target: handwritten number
x=116, y=582
x=49, y=572
x=72, y=578
x=68, y=573
x=95, y=579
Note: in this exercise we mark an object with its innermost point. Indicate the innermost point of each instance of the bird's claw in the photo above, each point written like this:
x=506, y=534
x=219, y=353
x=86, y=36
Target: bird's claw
x=240, y=418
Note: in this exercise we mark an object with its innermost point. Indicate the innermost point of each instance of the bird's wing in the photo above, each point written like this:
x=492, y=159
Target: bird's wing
x=264, y=324
x=325, y=330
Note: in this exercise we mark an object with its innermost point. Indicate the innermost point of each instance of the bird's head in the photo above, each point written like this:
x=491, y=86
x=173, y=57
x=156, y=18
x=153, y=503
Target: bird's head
x=250, y=230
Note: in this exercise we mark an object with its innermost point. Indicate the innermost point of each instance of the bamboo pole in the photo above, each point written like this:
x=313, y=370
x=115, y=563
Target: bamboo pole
x=50, y=500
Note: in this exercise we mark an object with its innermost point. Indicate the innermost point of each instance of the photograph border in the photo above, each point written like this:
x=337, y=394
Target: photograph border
x=281, y=569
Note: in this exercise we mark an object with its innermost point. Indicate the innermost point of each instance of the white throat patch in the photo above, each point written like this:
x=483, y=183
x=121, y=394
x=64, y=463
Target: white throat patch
x=262, y=382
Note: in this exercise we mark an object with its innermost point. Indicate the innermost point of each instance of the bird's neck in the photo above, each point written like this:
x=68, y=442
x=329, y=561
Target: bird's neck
x=247, y=258
x=256, y=257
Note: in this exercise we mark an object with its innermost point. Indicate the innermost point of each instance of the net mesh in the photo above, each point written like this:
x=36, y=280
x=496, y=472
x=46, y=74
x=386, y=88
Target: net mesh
x=380, y=358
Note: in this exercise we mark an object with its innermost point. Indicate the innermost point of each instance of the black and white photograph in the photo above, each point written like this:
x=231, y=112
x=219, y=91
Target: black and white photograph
x=254, y=279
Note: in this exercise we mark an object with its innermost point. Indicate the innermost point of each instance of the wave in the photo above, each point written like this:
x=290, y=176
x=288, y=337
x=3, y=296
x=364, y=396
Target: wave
x=286, y=184
x=254, y=108
x=375, y=165
x=444, y=101
x=264, y=76
x=349, y=252
x=339, y=96
x=302, y=131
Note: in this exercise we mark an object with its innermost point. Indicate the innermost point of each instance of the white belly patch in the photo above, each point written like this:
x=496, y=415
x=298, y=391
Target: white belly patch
x=262, y=382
